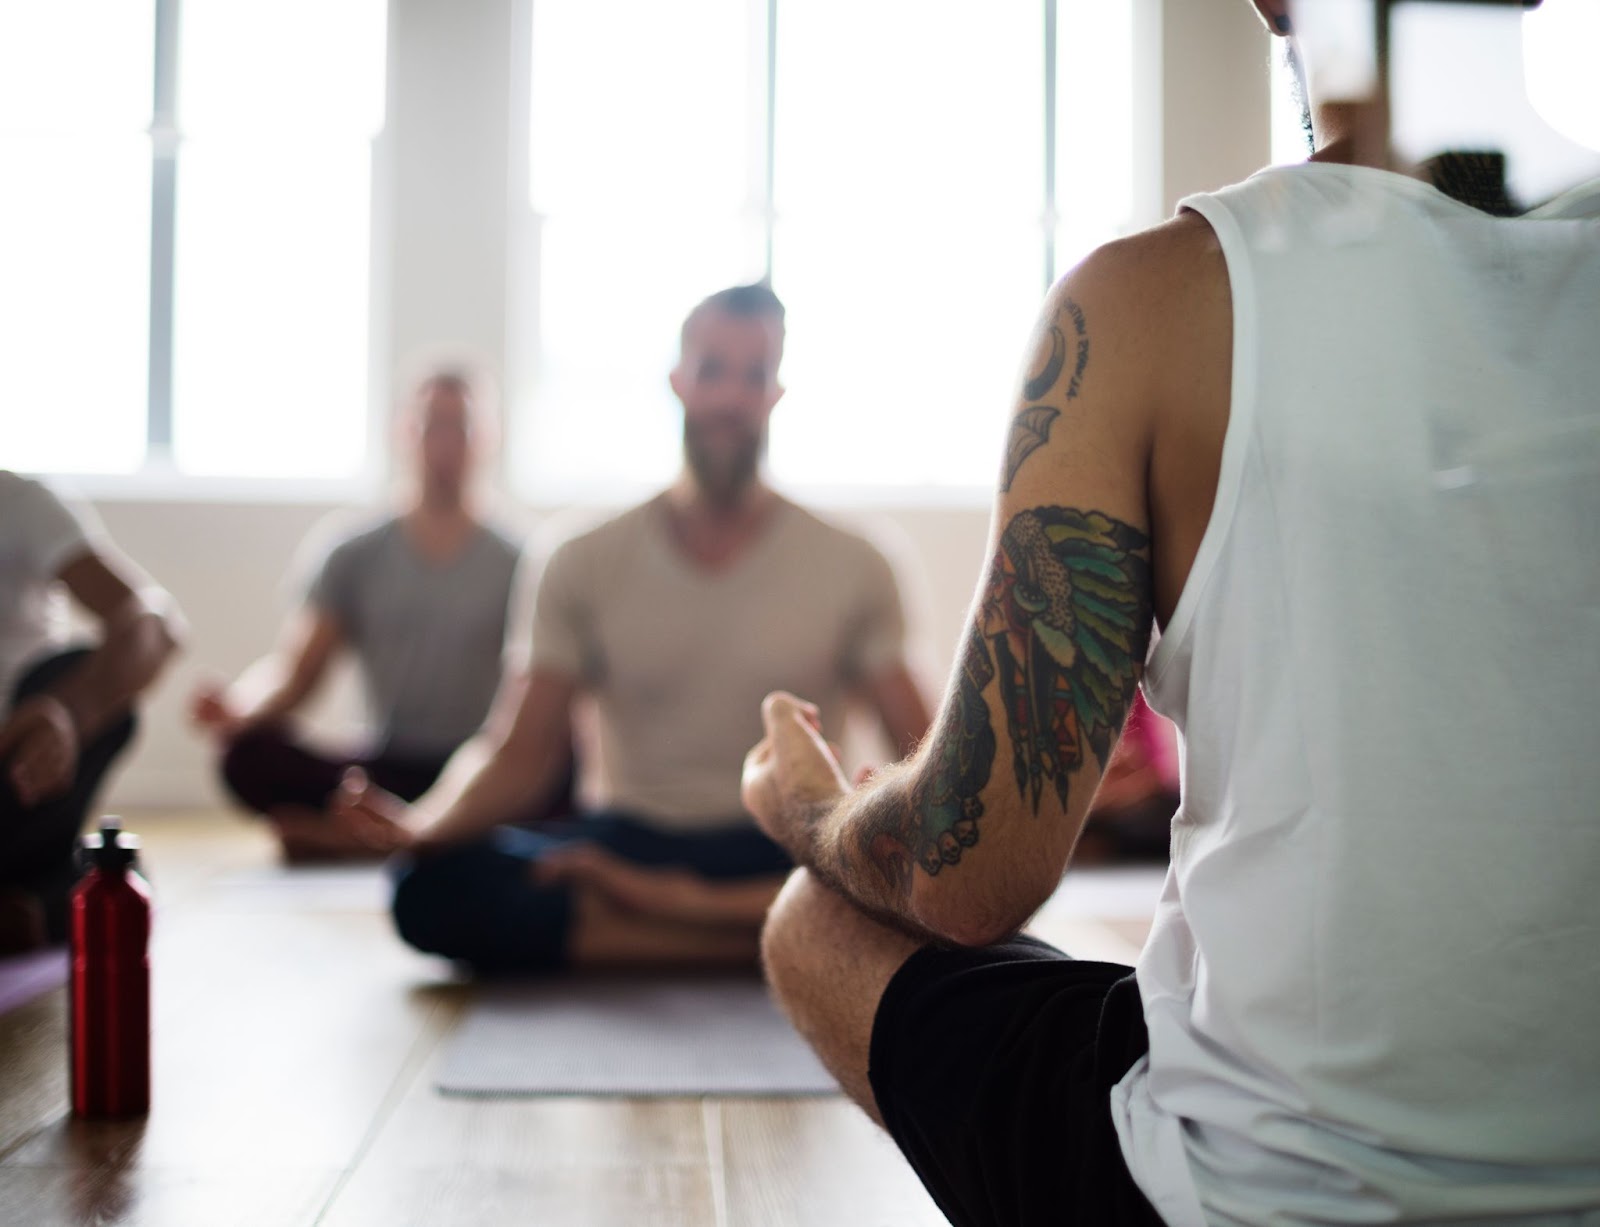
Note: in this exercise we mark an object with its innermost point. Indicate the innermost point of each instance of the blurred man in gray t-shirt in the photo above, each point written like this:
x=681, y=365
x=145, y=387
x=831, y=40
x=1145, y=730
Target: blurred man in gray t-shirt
x=420, y=600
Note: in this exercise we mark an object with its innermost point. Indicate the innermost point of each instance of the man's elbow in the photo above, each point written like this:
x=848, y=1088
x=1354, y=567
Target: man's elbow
x=171, y=634
x=148, y=636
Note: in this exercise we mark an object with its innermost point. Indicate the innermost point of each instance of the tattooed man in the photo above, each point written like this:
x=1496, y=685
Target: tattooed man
x=673, y=618
x=1336, y=433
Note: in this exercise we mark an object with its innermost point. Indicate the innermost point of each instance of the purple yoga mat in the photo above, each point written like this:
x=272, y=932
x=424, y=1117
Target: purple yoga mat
x=26, y=976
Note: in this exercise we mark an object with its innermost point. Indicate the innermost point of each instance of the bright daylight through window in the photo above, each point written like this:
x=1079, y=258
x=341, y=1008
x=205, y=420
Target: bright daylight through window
x=898, y=181
x=186, y=278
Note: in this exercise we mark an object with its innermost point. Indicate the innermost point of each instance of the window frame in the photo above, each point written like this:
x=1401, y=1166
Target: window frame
x=158, y=477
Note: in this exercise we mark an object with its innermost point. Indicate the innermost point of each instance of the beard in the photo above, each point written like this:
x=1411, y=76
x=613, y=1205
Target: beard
x=1302, y=100
x=723, y=474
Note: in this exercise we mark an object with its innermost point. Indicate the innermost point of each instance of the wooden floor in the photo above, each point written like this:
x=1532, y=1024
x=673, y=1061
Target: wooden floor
x=294, y=1042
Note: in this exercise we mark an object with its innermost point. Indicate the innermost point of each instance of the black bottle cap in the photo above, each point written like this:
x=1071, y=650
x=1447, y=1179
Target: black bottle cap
x=112, y=848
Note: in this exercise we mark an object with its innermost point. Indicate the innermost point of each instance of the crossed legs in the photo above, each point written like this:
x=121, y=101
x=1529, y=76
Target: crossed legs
x=828, y=964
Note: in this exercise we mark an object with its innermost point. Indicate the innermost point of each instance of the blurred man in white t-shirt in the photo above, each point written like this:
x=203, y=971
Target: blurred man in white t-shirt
x=66, y=712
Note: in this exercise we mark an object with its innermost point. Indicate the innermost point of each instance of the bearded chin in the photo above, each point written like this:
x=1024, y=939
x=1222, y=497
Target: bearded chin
x=725, y=478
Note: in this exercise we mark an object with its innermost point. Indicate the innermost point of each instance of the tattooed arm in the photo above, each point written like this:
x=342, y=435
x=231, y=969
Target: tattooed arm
x=965, y=840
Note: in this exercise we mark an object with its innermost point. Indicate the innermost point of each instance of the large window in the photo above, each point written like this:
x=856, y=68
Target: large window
x=74, y=233
x=186, y=247
x=911, y=174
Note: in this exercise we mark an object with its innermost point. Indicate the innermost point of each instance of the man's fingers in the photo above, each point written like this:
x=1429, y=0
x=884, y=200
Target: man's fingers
x=353, y=784
x=780, y=709
x=759, y=756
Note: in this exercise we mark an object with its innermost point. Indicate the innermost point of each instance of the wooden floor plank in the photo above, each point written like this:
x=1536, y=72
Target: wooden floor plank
x=33, y=1067
x=447, y=1160
x=145, y=1197
x=815, y=1163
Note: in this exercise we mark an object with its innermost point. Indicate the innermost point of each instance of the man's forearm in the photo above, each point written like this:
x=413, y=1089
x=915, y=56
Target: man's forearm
x=271, y=691
x=483, y=786
x=897, y=849
x=859, y=846
x=131, y=656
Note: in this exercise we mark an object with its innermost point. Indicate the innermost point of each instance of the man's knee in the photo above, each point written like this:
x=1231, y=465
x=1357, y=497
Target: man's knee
x=426, y=893
x=248, y=763
x=476, y=905
x=818, y=944
x=788, y=949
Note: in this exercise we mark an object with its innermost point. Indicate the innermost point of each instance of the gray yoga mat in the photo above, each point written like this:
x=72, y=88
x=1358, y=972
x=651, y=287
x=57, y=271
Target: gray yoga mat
x=635, y=1037
x=26, y=976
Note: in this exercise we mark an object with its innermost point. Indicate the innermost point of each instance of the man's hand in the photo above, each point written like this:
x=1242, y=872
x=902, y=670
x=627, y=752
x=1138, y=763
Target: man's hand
x=39, y=748
x=667, y=891
x=373, y=817
x=792, y=776
x=210, y=711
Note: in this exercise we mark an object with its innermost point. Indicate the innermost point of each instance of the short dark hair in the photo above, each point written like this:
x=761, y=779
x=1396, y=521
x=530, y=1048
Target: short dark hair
x=744, y=301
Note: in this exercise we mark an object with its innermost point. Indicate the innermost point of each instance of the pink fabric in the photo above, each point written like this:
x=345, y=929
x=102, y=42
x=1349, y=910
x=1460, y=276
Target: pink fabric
x=1154, y=739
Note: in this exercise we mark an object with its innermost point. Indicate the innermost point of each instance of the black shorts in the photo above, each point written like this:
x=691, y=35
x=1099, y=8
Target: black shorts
x=993, y=1071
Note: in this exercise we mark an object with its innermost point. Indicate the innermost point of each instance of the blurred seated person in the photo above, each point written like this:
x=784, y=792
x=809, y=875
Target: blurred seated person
x=420, y=599
x=675, y=617
x=67, y=712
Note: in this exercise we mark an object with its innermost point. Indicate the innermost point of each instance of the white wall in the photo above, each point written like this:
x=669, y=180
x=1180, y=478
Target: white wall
x=447, y=173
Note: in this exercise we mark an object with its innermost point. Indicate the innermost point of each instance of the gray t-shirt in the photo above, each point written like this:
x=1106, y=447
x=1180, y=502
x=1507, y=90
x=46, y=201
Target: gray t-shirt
x=679, y=659
x=428, y=636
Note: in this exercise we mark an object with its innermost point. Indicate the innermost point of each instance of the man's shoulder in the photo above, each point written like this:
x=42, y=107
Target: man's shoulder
x=839, y=538
x=37, y=515
x=501, y=543
x=591, y=537
x=348, y=544
x=20, y=494
x=365, y=534
x=1155, y=306
x=1153, y=267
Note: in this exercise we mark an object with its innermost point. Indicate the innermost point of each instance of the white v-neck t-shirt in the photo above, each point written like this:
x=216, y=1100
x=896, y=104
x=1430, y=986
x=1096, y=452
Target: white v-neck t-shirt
x=679, y=658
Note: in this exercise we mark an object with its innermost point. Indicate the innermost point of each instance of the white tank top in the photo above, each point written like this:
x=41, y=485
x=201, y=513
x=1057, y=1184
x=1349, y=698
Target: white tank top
x=1373, y=986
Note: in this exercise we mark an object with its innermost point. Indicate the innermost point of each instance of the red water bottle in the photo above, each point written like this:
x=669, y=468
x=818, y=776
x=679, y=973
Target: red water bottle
x=111, y=978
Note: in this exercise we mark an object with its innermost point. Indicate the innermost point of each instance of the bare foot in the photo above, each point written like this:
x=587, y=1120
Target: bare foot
x=315, y=842
x=340, y=833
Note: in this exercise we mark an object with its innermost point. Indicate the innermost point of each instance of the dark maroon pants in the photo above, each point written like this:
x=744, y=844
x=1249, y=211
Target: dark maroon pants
x=268, y=768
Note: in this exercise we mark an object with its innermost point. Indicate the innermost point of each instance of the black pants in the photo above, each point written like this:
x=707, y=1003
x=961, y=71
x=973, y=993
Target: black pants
x=479, y=905
x=38, y=842
x=993, y=1069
